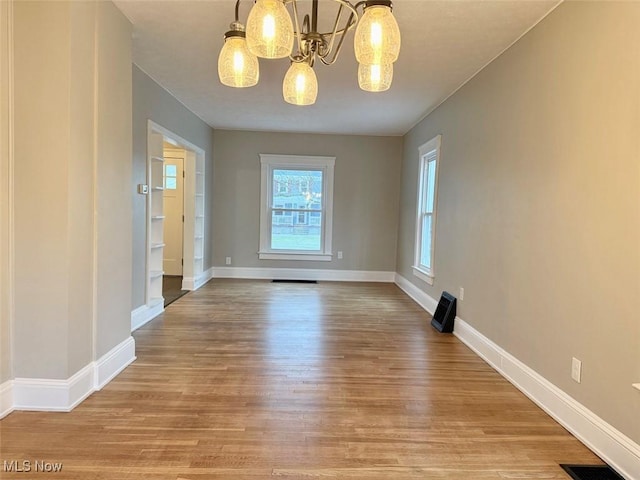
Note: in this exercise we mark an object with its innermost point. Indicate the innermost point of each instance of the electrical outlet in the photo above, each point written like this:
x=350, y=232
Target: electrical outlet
x=227, y=260
x=576, y=369
x=461, y=293
x=339, y=255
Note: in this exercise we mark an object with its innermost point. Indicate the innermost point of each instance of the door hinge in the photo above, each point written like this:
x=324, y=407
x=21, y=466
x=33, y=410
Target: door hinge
x=182, y=218
x=182, y=173
x=182, y=262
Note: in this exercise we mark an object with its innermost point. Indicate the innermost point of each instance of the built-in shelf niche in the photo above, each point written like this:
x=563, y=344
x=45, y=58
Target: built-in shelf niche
x=155, y=243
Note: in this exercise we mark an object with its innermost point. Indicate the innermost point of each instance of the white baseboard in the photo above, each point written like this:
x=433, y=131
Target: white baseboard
x=39, y=394
x=303, y=274
x=6, y=398
x=615, y=448
x=113, y=362
x=144, y=314
x=420, y=297
x=194, y=283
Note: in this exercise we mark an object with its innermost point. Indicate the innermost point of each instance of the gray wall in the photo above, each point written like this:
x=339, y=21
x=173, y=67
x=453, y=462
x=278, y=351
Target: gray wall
x=113, y=169
x=6, y=370
x=538, y=211
x=367, y=176
x=72, y=250
x=41, y=190
x=152, y=102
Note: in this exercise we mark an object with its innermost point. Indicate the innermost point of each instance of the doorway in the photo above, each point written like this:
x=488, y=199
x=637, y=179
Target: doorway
x=173, y=231
x=175, y=217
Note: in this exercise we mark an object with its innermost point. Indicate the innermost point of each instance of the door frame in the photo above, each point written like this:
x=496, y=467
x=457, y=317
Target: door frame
x=194, y=156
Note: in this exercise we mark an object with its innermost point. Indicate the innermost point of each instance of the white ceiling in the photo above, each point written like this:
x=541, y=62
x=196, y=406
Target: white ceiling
x=444, y=43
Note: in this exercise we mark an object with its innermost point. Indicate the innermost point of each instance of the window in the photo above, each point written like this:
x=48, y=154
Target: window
x=429, y=154
x=296, y=223
x=170, y=177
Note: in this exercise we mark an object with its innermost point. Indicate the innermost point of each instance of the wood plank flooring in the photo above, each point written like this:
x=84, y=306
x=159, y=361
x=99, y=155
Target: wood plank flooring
x=250, y=380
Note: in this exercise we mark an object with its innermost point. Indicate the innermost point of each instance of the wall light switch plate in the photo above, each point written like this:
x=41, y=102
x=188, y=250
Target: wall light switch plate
x=576, y=369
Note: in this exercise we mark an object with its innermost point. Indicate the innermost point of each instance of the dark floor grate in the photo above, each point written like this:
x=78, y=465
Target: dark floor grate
x=591, y=472
x=283, y=280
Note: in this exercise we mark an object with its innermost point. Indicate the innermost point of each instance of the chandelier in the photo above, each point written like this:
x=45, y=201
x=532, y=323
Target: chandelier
x=272, y=31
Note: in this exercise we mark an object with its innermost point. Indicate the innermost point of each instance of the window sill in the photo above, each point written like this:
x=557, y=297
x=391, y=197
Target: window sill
x=422, y=275
x=313, y=257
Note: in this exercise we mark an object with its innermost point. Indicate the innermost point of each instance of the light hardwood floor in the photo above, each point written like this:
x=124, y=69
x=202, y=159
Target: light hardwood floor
x=253, y=380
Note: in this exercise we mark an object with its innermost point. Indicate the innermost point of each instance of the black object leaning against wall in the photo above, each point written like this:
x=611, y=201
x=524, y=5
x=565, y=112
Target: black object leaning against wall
x=445, y=313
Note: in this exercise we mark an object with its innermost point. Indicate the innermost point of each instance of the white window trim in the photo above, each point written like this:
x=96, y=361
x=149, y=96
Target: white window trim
x=268, y=163
x=427, y=275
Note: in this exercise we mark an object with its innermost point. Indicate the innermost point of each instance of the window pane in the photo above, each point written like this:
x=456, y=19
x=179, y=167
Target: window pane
x=431, y=185
x=297, y=187
x=315, y=218
x=286, y=234
x=170, y=183
x=425, y=248
x=171, y=170
x=424, y=185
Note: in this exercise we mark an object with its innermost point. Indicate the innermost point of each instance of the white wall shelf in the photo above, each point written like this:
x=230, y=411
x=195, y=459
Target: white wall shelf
x=198, y=219
x=156, y=217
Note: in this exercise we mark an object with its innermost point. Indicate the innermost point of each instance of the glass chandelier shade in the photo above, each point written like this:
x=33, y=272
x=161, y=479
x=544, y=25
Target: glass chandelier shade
x=376, y=77
x=377, y=38
x=270, y=30
x=300, y=86
x=270, y=34
x=237, y=66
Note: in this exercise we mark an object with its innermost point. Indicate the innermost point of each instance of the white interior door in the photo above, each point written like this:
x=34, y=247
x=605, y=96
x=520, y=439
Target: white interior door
x=173, y=211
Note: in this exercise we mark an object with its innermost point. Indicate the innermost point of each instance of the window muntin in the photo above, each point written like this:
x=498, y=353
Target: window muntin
x=296, y=220
x=170, y=177
x=429, y=154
